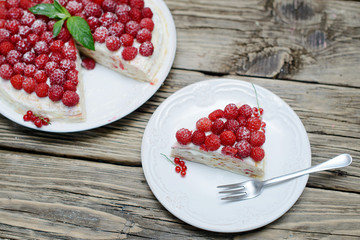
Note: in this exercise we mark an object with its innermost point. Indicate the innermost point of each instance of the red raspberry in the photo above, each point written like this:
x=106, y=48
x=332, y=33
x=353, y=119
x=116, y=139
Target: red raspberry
x=146, y=49
x=38, y=26
x=231, y=111
x=16, y=81
x=56, y=46
x=203, y=124
x=24, y=31
x=40, y=76
x=113, y=43
x=23, y=46
x=232, y=125
x=108, y=19
x=245, y=110
x=137, y=4
x=3, y=12
x=50, y=25
x=212, y=142
x=123, y=1
x=41, y=90
x=88, y=63
x=116, y=29
x=132, y=28
x=74, y=7
x=127, y=40
x=13, y=57
x=244, y=148
x=129, y=53
x=69, y=85
x=198, y=137
x=33, y=38
x=47, y=37
x=109, y=5
x=253, y=124
x=56, y=57
x=146, y=13
x=26, y=4
x=2, y=22
x=242, y=121
x=257, y=154
x=72, y=75
x=69, y=52
x=216, y=114
x=123, y=17
x=100, y=34
x=92, y=9
x=147, y=23
x=4, y=34
x=41, y=47
x=19, y=68
x=55, y=93
x=15, y=38
x=6, y=71
x=30, y=70
x=50, y=67
x=257, y=138
x=29, y=85
x=27, y=19
x=67, y=65
x=41, y=61
x=12, y=3
x=29, y=57
x=183, y=136
x=143, y=35
x=218, y=126
x=94, y=23
x=15, y=13
x=70, y=98
x=135, y=15
x=6, y=47
x=64, y=35
x=122, y=8
x=228, y=150
x=57, y=77
x=227, y=138
x=12, y=26
x=2, y=60
x=243, y=134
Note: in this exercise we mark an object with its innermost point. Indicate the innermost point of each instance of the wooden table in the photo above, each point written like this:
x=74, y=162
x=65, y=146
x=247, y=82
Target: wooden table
x=90, y=185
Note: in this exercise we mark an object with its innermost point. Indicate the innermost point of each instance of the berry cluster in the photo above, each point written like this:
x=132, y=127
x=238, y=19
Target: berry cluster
x=239, y=131
x=31, y=58
x=38, y=121
x=180, y=166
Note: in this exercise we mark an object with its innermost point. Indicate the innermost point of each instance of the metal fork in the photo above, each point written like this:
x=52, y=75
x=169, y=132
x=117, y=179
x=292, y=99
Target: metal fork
x=253, y=188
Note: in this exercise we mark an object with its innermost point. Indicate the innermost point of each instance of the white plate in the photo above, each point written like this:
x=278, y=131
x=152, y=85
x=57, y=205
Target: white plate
x=194, y=198
x=118, y=95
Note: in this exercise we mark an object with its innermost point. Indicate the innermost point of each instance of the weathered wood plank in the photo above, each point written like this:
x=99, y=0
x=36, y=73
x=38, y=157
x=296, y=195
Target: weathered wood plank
x=48, y=197
x=314, y=41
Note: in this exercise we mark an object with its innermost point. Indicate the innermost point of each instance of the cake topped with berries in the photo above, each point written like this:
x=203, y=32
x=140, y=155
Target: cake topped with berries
x=229, y=139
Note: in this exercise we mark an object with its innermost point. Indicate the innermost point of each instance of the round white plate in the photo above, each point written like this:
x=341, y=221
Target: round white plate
x=194, y=198
x=118, y=95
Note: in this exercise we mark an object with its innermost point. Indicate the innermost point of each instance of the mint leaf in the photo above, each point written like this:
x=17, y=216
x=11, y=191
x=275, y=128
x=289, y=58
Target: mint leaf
x=61, y=9
x=57, y=28
x=44, y=9
x=80, y=30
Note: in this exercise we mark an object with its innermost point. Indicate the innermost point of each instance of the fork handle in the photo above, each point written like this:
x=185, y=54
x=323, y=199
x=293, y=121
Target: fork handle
x=342, y=160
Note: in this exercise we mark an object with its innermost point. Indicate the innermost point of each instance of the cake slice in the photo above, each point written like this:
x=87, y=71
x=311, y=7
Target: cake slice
x=229, y=139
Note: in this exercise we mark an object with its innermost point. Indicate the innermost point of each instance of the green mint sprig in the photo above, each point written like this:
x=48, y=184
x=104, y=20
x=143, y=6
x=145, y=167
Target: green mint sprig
x=77, y=26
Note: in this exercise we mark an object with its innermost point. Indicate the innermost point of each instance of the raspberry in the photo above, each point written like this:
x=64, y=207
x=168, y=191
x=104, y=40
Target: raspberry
x=32, y=38
x=16, y=81
x=228, y=150
x=29, y=57
x=113, y=43
x=2, y=22
x=129, y=53
x=146, y=49
x=198, y=137
x=122, y=8
x=218, y=126
x=183, y=136
x=64, y=35
x=30, y=70
x=63, y=2
x=147, y=23
x=56, y=46
x=4, y=34
x=216, y=114
x=109, y=5
x=137, y=4
x=72, y=75
x=257, y=138
x=25, y=4
x=116, y=29
x=24, y=31
x=6, y=47
x=231, y=111
x=132, y=28
x=50, y=25
x=27, y=19
x=135, y=15
x=227, y=138
x=12, y=26
x=70, y=98
x=93, y=23
x=244, y=148
x=108, y=19
x=6, y=71
x=203, y=124
x=56, y=57
x=41, y=47
x=67, y=65
x=242, y=121
x=40, y=76
x=232, y=125
x=253, y=124
x=15, y=38
x=74, y=7
x=2, y=60
x=50, y=67
x=127, y=40
x=69, y=85
x=3, y=12
x=143, y=35
x=123, y=17
x=100, y=34
x=212, y=142
x=57, y=77
x=257, y=154
x=245, y=111
x=19, y=68
x=146, y=13
x=47, y=37
x=41, y=61
x=55, y=93
x=69, y=52
x=29, y=85
x=15, y=13
x=41, y=90
x=38, y=26
x=23, y=46
x=13, y=57
x=92, y=9
x=12, y=3
x=243, y=134
x=88, y=63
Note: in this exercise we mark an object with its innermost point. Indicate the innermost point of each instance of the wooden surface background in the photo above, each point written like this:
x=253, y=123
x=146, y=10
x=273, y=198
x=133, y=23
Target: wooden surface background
x=82, y=185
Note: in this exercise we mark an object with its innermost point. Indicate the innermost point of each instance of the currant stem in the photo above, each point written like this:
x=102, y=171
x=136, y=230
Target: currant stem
x=168, y=158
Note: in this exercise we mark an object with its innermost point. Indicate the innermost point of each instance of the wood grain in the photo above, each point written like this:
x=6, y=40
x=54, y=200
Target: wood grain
x=50, y=197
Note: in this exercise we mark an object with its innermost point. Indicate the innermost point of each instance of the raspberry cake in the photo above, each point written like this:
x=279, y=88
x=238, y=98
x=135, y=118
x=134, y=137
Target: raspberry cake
x=229, y=139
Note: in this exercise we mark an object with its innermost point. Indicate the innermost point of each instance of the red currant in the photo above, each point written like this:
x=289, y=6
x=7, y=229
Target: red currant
x=38, y=123
x=177, y=169
x=26, y=118
x=182, y=163
x=183, y=173
x=176, y=160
